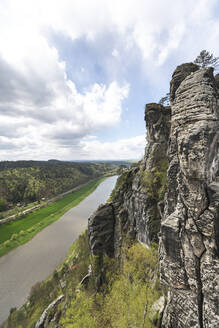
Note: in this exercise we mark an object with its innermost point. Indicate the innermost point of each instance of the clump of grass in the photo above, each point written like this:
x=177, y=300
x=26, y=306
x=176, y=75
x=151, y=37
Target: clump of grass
x=7, y=243
x=14, y=236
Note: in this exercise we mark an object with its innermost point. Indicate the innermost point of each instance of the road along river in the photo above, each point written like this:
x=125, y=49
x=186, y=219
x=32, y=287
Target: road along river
x=34, y=261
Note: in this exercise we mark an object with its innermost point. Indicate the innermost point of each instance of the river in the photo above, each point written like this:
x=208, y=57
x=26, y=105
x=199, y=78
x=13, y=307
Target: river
x=21, y=268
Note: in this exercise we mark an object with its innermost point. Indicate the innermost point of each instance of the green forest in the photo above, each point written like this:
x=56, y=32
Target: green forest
x=28, y=181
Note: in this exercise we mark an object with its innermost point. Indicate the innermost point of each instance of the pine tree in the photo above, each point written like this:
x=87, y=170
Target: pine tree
x=205, y=59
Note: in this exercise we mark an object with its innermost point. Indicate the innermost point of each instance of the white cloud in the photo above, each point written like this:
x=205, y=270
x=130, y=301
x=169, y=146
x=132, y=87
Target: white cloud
x=42, y=109
x=131, y=148
x=141, y=23
x=89, y=148
x=34, y=86
x=115, y=53
x=68, y=117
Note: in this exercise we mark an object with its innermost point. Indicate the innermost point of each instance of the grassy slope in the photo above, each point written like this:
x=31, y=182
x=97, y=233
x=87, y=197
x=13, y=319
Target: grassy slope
x=19, y=232
x=119, y=304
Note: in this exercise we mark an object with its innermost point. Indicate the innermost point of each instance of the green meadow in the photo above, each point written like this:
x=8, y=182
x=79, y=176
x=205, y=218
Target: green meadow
x=22, y=230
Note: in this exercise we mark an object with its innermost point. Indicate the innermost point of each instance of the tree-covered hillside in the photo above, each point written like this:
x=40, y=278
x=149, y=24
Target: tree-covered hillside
x=28, y=181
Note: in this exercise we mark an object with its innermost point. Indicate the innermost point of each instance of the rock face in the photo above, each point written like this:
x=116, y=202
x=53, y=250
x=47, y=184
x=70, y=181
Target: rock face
x=101, y=230
x=180, y=73
x=217, y=80
x=189, y=229
x=157, y=119
x=133, y=212
x=42, y=321
x=188, y=210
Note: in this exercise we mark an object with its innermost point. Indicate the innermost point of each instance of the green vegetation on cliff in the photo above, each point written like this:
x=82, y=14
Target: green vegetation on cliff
x=18, y=232
x=155, y=181
x=124, y=300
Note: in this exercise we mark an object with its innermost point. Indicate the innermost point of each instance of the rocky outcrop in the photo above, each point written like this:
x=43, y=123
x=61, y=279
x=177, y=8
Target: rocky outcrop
x=41, y=323
x=217, y=80
x=180, y=73
x=189, y=229
x=157, y=118
x=101, y=230
x=188, y=210
x=133, y=212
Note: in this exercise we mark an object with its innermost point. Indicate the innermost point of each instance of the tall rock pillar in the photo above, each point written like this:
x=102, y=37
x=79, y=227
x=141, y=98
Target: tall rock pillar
x=190, y=227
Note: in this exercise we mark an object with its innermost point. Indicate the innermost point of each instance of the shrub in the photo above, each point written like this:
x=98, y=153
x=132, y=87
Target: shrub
x=13, y=309
x=80, y=313
x=34, y=291
x=155, y=182
x=3, y=204
x=7, y=243
x=133, y=291
x=32, y=229
x=14, y=236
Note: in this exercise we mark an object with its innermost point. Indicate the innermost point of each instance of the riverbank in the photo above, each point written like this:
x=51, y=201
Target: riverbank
x=36, y=260
x=36, y=206
x=19, y=232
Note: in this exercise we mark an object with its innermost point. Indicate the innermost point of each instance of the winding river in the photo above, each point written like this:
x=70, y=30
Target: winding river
x=36, y=260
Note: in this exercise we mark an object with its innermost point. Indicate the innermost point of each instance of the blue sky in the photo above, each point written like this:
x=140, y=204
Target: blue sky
x=75, y=75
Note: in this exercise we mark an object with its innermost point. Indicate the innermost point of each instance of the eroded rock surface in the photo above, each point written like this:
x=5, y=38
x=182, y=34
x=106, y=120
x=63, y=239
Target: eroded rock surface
x=180, y=73
x=189, y=229
x=217, y=80
x=189, y=212
x=41, y=323
x=101, y=230
x=134, y=212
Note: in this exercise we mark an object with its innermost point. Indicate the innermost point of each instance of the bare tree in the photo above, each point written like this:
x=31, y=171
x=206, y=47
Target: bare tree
x=205, y=59
x=165, y=101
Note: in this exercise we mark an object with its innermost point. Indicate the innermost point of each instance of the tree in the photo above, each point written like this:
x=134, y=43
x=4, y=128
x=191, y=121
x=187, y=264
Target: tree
x=165, y=101
x=205, y=59
x=3, y=204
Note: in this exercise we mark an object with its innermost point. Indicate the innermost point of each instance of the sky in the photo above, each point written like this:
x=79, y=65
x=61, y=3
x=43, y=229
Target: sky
x=75, y=75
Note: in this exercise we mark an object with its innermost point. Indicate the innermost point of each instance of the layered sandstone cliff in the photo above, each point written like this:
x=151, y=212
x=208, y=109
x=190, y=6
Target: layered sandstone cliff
x=133, y=212
x=189, y=230
x=188, y=210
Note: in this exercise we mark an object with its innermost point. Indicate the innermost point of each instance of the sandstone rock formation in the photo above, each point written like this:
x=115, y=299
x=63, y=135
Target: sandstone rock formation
x=180, y=73
x=217, y=80
x=42, y=321
x=101, y=230
x=188, y=210
x=133, y=212
x=189, y=229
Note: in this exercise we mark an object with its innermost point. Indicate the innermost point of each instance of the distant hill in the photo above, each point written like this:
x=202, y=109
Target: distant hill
x=112, y=162
x=28, y=181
